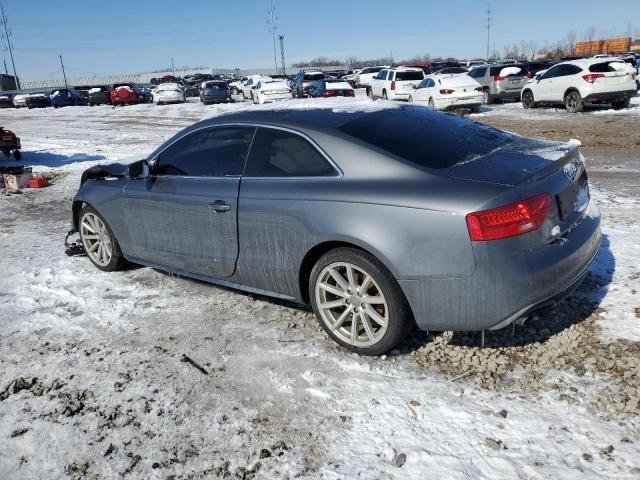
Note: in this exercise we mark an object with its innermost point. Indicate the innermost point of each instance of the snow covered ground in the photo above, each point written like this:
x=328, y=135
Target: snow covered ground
x=93, y=382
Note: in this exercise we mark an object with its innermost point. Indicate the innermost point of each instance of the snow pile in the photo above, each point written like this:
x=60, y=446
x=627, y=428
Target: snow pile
x=508, y=71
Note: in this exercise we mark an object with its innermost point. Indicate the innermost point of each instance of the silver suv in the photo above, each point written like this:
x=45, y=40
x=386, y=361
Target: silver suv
x=500, y=81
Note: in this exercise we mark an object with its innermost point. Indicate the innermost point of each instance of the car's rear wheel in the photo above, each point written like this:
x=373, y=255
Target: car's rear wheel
x=487, y=98
x=410, y=98
x=99, y=242
x=358, y=302
x=384, y=95
x=573, y=102
x=528, y=100
x=432, y=104
x=620, y=104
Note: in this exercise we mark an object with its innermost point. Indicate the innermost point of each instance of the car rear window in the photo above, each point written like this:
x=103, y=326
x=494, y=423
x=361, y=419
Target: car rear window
x=603, y=67
x=216, y=85
x=410, y=75
x=426, y=139
x=313, y=76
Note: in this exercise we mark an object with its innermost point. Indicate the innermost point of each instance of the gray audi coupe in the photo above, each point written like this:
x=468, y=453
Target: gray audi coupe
x=381, y=219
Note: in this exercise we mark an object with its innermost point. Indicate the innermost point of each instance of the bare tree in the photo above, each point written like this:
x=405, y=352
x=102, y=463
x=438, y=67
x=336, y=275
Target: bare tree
x=571, y=41
x=589, y=34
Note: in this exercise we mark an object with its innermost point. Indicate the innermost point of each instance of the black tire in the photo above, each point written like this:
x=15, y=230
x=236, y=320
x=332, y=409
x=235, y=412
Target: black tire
x=528, y=100
x=488, y=98
x=384, y=95
x=370, y=93
x=117, y=262
x=475, y=109
x=400, y=321
x=573, y=102
x=17, y=154
x=620, y=104
x=432, y=104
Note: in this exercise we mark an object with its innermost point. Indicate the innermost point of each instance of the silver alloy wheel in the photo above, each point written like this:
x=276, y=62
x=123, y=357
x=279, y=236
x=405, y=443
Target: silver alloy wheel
x=96, y=239
x=351, y=304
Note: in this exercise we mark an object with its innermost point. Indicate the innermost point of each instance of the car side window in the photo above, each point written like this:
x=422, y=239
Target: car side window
x=212, y=152
x=477, y=72
x=430, y=83
x=551, y=73
x=279, y=153
x=422, y=84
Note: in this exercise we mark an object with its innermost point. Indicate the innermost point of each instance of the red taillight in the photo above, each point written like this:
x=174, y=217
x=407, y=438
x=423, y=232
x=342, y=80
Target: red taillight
x=528, y=75
x=329, y=93
x=393, y=85
x=509, y=221
x=592, y=77
x=350, y=93
x=446, y=91
x=497, y=78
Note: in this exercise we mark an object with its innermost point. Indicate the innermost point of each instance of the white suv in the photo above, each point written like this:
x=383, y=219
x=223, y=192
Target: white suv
x=395, y=83
x=592, y=80
x=364, y=77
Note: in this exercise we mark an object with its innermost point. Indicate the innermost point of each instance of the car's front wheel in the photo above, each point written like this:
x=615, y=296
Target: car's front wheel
x=358, y=302
x=99, y=242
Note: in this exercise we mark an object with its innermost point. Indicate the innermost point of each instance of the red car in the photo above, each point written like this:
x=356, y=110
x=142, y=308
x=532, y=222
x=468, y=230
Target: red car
x=9, y=142
x=126, y=93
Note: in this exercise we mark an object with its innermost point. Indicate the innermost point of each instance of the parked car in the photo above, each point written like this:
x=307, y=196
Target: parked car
x=20, y=100
x=271, y=91
x=451, y=71
x=304, y=80
x=38, y=100
x=126, y=93
x=250, y=85
x=501, y=81
x=453, y=225
x=236, y=87
x=214, y=91
x=448, y=92
x=537, y=66
x=84, y=91
x=395, y=83
x=169, y=93
x=99, y=95
x=9, y=142
x=473, y=63
x=332, y=87
x=574, y=83
x=6, y=100
x=66, y=97
x=350, y=77
x=365, y=76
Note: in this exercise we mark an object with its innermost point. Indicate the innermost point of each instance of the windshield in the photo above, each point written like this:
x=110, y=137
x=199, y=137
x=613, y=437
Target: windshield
x=313, y=76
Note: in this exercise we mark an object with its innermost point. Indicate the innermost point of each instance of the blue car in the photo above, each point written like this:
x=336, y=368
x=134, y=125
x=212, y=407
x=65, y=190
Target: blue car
x=66, y=97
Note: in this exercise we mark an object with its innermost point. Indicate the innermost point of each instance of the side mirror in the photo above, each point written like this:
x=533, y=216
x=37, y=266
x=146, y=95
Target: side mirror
x=139, y=169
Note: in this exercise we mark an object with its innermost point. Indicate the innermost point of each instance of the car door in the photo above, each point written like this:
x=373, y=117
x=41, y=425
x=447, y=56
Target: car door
x=184, y=215
x=286, y=182
x=565, y=77
x=544, y=87
x=422, y=90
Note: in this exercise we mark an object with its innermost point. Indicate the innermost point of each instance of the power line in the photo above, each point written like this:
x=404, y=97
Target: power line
x=64, y=74
x=7, y=35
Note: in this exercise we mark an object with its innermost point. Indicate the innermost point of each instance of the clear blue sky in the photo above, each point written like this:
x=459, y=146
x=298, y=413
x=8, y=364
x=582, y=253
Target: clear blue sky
x=126, y=37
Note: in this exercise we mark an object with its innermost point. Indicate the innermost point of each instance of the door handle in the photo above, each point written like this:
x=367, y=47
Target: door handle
x=220, y=206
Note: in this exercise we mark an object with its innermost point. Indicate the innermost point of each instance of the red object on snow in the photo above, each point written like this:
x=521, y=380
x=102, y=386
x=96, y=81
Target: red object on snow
x=38, y=182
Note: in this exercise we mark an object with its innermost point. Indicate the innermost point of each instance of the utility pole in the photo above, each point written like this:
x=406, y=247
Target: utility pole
x=488, y=27
x=271, y=20
x=7, y=35
x=5, y=67
x=173, y=68
x=284, y=65
x=64, y=75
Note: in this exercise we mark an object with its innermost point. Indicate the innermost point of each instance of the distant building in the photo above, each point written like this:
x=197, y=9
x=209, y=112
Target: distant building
x=7, y=82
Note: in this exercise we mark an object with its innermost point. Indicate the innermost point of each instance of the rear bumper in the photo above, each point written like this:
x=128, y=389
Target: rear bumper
x=501, y=93
x=609, y=96
x=508, y=284
x=277, y=97
x=459, y=102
